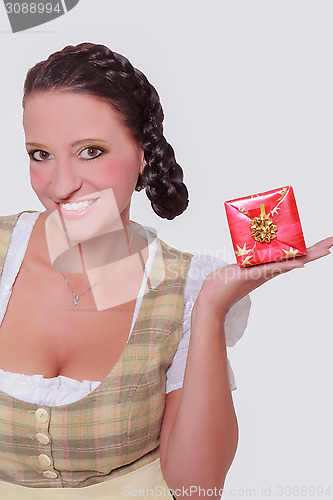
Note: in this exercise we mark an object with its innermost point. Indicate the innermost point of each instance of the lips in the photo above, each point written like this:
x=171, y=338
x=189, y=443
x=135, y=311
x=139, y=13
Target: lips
x=81, y=205
x=77, y=209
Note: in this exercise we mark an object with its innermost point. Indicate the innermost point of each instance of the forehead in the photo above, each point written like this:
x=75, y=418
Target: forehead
x=66, y=112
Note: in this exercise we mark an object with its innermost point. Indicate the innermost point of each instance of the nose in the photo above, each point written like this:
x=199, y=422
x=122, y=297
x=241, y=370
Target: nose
x=66, y=180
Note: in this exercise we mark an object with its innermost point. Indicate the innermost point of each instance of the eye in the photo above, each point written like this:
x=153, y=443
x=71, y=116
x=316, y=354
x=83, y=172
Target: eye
x=39, y=155
x=91, y=153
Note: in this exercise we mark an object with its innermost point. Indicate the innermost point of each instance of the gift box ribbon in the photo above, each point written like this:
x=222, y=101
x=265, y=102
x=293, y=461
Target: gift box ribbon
x=271, y=234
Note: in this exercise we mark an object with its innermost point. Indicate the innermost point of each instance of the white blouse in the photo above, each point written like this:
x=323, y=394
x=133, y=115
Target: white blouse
x=63, y=390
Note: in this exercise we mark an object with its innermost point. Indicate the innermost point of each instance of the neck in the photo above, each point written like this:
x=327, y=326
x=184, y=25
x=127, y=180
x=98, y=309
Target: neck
x=101, y=248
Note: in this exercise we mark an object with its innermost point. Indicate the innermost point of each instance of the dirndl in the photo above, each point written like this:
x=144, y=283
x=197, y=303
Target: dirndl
x=146, y=482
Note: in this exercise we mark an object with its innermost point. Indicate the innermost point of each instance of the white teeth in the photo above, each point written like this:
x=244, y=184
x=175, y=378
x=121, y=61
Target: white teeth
x=77, y=206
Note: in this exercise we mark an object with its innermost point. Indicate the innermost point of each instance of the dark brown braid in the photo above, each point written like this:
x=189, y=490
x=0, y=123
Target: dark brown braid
x=96, y=70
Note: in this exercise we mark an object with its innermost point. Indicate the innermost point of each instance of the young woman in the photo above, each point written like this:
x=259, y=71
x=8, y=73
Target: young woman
x=97, y=310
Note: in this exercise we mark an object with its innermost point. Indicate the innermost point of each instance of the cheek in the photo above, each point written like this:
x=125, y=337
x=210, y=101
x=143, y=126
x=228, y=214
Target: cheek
x=37, y=179
x=118, y=172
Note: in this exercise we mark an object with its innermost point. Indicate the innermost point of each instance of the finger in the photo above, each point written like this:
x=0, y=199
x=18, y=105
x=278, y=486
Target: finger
x=320, y=249
x=326, y=243
x=314, y=252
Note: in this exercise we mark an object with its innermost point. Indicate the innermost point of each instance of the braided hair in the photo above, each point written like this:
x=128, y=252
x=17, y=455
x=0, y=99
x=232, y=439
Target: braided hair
x=96, y=70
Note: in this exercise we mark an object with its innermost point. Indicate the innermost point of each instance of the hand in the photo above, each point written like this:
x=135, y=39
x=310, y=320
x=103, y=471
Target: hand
x=223, y=287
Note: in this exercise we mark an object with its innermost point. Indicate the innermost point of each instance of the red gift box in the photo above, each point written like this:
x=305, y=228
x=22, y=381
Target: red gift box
x=265, y=227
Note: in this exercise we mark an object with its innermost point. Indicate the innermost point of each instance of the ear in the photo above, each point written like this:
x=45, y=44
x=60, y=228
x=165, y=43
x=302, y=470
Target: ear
x=142, y=161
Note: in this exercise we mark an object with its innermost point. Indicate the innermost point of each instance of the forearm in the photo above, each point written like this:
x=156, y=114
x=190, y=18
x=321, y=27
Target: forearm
x=203, y=439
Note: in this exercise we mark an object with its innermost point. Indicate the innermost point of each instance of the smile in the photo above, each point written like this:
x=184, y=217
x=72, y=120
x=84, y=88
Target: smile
x=77, y=206
x=78, y=209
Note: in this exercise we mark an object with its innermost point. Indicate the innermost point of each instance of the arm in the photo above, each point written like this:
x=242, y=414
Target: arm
x=199, y=430
x=199, y=448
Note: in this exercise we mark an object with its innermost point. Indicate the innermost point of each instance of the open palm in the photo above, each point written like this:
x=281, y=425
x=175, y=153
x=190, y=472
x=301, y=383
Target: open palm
x=226, y=285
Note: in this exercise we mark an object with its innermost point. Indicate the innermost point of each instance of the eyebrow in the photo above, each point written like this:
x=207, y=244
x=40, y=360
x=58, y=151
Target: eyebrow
x=73, y=145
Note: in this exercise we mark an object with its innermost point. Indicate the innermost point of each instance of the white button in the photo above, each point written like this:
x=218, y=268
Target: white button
x=42, y=438
x=49, y=474
x=44, y=460
x=41, y=415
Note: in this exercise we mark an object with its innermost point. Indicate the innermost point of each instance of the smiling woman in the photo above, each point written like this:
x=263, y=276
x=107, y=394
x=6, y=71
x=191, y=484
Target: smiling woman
x=114, y=375
x=68, y=171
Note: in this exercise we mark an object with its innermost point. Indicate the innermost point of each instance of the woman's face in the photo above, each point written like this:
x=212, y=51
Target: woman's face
x=80, y=151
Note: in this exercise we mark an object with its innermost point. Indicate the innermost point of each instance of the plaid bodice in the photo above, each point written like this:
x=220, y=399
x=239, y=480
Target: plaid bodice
x=115, y=429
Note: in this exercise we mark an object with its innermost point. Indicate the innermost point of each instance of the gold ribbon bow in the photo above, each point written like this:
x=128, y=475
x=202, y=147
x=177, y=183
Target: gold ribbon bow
x=263, y=228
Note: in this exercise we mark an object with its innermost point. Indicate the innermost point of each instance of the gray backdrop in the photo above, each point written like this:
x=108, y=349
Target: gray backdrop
x=247, y=92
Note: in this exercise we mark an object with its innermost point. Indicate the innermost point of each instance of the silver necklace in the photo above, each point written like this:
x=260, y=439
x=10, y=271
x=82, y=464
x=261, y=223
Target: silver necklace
x=78, y=295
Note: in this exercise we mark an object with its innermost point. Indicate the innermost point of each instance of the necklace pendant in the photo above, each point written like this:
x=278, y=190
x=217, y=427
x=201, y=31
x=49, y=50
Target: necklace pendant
x=76, y=299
